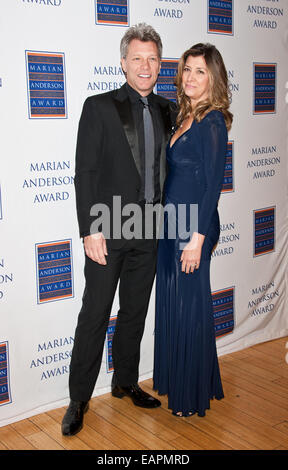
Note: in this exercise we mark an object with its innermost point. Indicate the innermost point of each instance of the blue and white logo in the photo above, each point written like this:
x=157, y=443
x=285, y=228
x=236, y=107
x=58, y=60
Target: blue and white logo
x=112, y=12
x=228, y=181
x=223, y=308
x=109, y=340
x=54, y=271
x=5, y=393
x=165, y=83
x=46, y=85
x=264, y=88
x=220, y=17
x=264, y=231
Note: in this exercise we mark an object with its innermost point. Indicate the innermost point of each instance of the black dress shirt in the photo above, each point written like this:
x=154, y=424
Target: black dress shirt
x=137, y=110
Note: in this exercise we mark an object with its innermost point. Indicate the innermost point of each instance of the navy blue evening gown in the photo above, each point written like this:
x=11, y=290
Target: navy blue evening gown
x=185, y=357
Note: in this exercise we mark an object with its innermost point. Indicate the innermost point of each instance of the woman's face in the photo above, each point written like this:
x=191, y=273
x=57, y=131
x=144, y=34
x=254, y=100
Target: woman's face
x=195, y=79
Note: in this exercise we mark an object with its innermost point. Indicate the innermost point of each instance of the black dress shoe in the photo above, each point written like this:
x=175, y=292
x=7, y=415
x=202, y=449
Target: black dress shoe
x=137, y=395
x=73, y=418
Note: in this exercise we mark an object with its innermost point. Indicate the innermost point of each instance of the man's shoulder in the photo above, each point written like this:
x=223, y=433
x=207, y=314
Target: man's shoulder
x=165, y=102
x=101, y=97
x=102, y=102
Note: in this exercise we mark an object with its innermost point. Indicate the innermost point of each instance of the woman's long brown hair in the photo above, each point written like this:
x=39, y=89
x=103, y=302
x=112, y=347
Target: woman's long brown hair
x=219, y=94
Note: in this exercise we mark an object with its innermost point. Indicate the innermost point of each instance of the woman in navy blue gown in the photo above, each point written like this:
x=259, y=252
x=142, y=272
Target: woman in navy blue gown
x=185, y=357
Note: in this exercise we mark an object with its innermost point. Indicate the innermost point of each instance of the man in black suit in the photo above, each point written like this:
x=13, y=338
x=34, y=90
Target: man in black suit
x=112, y=160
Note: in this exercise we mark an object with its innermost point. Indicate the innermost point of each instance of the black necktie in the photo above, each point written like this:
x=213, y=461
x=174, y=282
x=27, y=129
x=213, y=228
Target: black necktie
x=149, y=151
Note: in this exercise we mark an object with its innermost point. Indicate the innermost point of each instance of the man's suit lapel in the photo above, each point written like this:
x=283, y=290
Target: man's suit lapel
x=167, y=127
x=123, y=107
x=167, y=122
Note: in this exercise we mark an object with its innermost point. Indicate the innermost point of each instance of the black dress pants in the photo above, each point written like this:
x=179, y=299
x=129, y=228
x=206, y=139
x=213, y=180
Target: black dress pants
x=133, y=265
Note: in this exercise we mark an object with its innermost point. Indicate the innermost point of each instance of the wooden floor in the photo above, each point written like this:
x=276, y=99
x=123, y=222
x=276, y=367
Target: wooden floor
x=252, y=416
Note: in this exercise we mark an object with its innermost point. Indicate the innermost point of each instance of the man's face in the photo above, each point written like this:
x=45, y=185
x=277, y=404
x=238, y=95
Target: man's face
x=142, y=66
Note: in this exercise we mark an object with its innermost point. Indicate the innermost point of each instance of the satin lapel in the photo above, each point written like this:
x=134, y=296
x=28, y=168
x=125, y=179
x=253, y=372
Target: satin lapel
x=167, y=125
x=125, y=113
x=167, y=122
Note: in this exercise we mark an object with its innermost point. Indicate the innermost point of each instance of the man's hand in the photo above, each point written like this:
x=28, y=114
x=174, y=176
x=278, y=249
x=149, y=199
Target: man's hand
x=95, y=247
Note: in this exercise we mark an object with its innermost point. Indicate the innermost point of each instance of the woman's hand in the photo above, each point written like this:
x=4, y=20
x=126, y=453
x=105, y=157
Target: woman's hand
x=191, y=255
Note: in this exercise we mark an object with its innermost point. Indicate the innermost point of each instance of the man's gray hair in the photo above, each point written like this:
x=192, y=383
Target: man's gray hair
x=142, y=32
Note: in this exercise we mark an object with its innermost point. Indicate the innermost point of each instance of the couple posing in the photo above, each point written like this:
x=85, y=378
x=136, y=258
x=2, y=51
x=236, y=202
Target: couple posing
x=126, y=147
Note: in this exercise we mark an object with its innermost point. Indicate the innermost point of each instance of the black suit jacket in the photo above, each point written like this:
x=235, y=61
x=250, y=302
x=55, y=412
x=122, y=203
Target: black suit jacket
x=107, y=153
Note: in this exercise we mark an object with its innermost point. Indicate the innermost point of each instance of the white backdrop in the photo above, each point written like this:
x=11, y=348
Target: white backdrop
x=55, y=53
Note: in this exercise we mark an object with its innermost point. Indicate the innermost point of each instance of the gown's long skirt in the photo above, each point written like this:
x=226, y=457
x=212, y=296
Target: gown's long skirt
x=185, y=358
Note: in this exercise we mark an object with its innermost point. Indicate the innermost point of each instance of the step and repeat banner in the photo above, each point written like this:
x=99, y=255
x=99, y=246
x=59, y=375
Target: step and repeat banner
x=55, y=53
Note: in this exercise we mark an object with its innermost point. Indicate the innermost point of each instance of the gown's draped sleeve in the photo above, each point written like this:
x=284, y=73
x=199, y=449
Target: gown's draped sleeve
x=214, y=138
